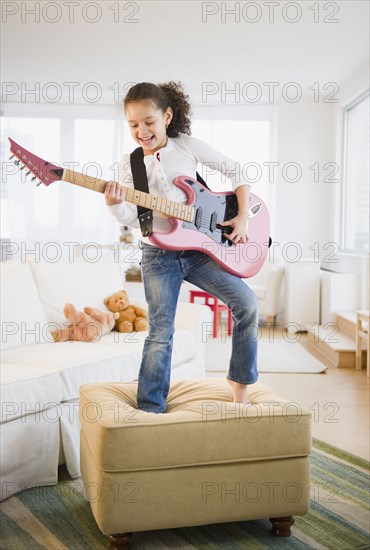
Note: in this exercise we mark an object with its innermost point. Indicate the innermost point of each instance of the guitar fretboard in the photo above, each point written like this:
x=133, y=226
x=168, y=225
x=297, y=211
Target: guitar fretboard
x=169, y=208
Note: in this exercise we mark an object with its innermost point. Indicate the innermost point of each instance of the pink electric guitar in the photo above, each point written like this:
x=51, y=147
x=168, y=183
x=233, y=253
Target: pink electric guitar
x=195, y=224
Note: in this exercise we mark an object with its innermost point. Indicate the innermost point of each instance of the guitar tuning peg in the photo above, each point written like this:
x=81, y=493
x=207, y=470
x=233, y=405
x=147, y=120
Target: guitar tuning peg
x=23, y=167
x=17, y=162
x=34, y=178
x=39, y=183
x=10, y=158
x=28, y=173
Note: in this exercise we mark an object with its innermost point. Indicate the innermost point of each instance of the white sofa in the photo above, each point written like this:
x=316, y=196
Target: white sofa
x=40, y=379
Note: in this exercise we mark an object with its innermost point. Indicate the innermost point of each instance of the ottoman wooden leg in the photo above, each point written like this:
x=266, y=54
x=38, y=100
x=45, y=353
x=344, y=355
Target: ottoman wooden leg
x=281, y=526
x=120, y=541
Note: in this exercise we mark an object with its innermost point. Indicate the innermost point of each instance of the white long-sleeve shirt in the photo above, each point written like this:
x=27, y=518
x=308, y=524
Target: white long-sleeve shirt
x=179, y=157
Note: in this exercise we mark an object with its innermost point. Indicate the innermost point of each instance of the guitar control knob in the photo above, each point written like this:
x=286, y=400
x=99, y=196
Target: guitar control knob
x=254, y=210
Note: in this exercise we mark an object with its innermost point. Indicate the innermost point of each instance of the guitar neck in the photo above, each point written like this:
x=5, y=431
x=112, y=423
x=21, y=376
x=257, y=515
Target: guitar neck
x=159, y=204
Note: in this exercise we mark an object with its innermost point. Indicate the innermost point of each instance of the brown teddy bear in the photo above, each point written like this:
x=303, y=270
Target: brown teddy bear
x=131, y=318
x=88, y=325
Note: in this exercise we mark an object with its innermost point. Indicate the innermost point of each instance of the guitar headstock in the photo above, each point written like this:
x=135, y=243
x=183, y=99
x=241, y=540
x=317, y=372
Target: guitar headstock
x=42, y=170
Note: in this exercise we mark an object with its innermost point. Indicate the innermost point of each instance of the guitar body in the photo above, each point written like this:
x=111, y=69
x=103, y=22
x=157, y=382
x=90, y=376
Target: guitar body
x=243, y=260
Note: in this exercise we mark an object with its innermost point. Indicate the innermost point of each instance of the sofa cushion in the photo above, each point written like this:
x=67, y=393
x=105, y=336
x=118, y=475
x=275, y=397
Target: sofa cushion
x=78, y=363
x=201, y=425
x=23, y=320
x=184, y=345
x=28, y=390
x=81, y=282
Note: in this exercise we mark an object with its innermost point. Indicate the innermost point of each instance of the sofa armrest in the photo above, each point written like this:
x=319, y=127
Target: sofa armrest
x=196, y=318
x=188, y=316
x=192, y=317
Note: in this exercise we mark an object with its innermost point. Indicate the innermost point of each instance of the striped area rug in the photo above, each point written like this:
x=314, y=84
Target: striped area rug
x=59, y=518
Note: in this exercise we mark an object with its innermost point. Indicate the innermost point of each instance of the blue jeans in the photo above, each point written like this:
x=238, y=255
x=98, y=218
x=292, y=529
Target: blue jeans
x=163, y=274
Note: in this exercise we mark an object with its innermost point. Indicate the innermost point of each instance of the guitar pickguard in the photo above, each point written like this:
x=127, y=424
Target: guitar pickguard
x=210, y=210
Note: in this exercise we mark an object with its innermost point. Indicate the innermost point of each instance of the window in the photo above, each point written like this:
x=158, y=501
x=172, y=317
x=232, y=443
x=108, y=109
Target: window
x=355, y=196
x=245, y=141
x=95, y=150
x=23, y=206
x=60, y=212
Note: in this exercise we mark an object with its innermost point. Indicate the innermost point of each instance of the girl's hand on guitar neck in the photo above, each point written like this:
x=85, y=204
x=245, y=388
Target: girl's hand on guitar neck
x=239, y=224
x=113, y=193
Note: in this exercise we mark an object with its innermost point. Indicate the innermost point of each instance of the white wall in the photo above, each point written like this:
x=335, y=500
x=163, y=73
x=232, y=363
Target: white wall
x=305, y=136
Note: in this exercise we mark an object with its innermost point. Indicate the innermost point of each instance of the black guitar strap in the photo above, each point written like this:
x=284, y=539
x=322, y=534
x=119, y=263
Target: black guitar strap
x=201, y=180
x=141, y=184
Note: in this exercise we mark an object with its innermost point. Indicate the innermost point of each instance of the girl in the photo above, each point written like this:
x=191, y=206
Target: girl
x=158, y=117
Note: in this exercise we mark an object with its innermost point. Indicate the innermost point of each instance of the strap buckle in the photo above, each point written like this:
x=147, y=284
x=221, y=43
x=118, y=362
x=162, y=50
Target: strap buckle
x=146, y=223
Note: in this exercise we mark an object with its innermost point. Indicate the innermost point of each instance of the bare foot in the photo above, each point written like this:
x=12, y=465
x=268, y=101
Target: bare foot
x=240, y=392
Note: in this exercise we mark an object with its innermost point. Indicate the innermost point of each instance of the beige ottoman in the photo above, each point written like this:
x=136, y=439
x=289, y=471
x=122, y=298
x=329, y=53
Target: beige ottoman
x=205, y=460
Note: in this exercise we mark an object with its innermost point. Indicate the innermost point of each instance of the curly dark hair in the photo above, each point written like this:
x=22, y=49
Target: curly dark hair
x=168, y=94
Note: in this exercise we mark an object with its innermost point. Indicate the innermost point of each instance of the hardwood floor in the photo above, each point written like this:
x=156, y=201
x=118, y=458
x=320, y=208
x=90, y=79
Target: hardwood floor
x=338, y=400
